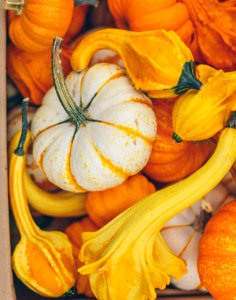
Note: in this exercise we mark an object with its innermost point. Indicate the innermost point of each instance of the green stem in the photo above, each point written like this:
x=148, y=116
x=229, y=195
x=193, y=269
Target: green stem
x=20, y=148
x=86, y=2
x=75, y=112
x=16, y=5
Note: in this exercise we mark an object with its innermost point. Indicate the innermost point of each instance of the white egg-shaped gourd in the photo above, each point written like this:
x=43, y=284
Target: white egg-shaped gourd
x=93, y=131
x=183, y=232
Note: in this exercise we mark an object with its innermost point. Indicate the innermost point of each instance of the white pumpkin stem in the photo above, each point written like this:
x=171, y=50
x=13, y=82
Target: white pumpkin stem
x=76, y=113
x=86, y=2
x=16, y=5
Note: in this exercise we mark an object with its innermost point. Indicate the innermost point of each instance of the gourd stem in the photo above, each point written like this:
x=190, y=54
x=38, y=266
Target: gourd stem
x=16, y=5
x=75, y=112
x=20, y=148
x=176, y=138
x=86, y=2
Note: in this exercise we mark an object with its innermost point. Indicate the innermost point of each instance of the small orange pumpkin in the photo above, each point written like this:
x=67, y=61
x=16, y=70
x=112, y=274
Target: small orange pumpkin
x=171, y=161
x=77, y=22
x=31, y=72
x=74, y=232
x=217, y=254
x=151, y=15
x=37, y=22
x=105, y=205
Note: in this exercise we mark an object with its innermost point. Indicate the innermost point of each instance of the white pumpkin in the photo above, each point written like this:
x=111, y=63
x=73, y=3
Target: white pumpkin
x=183, y=232
x=230, y=183
x=113, y=140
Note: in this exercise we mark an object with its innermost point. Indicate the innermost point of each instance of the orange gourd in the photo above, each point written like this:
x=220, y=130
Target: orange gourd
x=217, y=254
x=74, y=232
x=36, y=22
x=31, y=72
x=77, y=22
x=105, y=205
x=151, y=15
x=171, y=161
x=215, y=23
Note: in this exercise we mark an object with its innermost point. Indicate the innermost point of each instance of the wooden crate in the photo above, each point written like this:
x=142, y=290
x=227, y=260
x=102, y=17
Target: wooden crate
x=8, y=289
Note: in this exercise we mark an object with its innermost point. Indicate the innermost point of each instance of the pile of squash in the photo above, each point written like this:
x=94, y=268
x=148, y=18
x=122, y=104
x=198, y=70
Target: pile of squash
x=128, y=125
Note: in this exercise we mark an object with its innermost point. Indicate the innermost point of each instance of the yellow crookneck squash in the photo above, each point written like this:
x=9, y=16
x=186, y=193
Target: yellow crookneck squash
x=42, y=260
x=132, y=241
x=200, y=115
x=156, y=62
x=171, y=161
x=151, y=15
x=100, y=125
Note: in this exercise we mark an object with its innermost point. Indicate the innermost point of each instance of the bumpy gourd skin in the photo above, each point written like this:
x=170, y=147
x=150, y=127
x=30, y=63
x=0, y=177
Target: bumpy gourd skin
x=132, y=240
x=217, y=254
x=41, y=260
x=165, y=64
x=200, y=115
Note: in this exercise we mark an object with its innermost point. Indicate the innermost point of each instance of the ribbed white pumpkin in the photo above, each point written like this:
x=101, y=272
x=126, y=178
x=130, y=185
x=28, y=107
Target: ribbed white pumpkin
x=183, y=232
x=98, y=154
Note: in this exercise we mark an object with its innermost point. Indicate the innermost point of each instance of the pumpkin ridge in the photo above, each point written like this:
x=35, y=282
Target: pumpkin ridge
x=108, y=163
x=175, y=226
x=130, y=131
x=187, y=244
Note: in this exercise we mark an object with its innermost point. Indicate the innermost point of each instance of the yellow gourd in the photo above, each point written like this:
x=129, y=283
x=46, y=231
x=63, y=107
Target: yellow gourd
x=165, y=64
x=41, y=260
x=128, y=256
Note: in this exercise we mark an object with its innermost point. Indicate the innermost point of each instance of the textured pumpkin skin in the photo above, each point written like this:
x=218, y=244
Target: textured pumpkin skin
x=77, y=22
x=14, y=123
x=217, y=254
x=39, y=22
x=74, y=232
x=118, y=145
x=171, y=161
x=183, y=232
x=151, y=15
x=105, y=205
x=31, y=72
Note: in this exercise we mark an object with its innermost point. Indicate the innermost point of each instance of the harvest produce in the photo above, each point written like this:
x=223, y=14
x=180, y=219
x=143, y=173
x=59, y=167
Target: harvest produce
x=107, y=251
x=171, y=161
x=42, y=260
x=74, y=232
x=105, y=128
x=217, y=259
x=152, y=14
x=101, y=206
x=211, y=106
x=163, y=74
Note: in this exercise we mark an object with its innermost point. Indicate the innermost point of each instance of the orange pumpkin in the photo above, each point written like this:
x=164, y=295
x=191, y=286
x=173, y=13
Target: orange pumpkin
x=217, y=254
x=31, y=72
x=171, y=161
x=74, y=232
x=77, y=22
x=152, y=14
x=37, y=22
x=105, y=205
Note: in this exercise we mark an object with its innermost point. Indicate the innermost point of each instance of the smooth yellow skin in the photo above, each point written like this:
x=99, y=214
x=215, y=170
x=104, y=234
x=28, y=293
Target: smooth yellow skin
x=60, y=204
x=199, y=115
x=160, y=56
x=41, y=260
x=128, y=256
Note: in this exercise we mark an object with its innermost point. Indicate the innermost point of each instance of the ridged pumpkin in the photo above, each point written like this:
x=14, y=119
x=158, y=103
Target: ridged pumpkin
x=217, y=254
x=152, y=14
x=170, y=161
x=37, y=22
x=105, y=205
x=106, y=129
x=74, y=232
x=31, y=72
